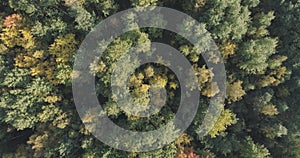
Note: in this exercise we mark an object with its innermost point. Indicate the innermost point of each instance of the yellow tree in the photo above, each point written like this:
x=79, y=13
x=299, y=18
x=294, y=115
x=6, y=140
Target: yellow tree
x=234, y=91
x=226, y=119
x=63, y=48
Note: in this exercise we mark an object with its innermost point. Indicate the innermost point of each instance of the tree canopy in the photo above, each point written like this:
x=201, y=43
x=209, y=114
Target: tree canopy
x=259, y=41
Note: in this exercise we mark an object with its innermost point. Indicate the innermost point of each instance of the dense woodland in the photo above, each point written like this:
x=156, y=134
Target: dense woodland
x=259, y=41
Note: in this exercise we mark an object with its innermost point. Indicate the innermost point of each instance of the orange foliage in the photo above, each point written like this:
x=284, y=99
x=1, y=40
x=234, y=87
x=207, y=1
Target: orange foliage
x=185, y=152
x=12, y=21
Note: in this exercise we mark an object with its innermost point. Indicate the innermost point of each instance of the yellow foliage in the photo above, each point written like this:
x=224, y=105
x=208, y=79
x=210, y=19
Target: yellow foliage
x=61, y=121
x=269, y=110
x=52, y=99
x=227, y=49
x=171, y=94
x=149, y=71
x=226, y=119
x=183, y=139
x=234, y=91
x=27, y=40
x=279, y=72
x=89, y=118
x=274, y=78
x=24, y=61
x=37, y=70
x=260, y=32
x=3, y=49
x=134, y=81
x=160, y=81
x=142, y=89
x=204, y=75
x=24, y=56
x=97, y=67
x=50, y=75
x=211, y=89
x=214, y=58
x=172, y=85
x=266, y=81
x=140, y=76
x=38, y=142
x=194, y=58
x=63, y=48
x=10, y=37
x=39, y=54
x=71, y=3
x=199, y=3
x=205, y=84
x=75, y=74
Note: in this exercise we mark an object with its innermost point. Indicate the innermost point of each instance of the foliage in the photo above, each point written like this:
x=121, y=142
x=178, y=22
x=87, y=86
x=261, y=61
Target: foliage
x=252, y=150
x=234, y=91
x=226, y=118
x=254, y=54
x=258, y=40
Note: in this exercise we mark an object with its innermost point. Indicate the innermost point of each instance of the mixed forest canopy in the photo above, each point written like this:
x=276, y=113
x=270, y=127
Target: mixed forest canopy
x=259, y=41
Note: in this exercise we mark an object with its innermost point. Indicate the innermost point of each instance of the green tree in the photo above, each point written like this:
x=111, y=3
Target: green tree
x=254, y=54
x=253, y=150
x=227, y=20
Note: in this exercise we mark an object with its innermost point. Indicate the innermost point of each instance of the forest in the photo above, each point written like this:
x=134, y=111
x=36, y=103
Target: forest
x=259, y=41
